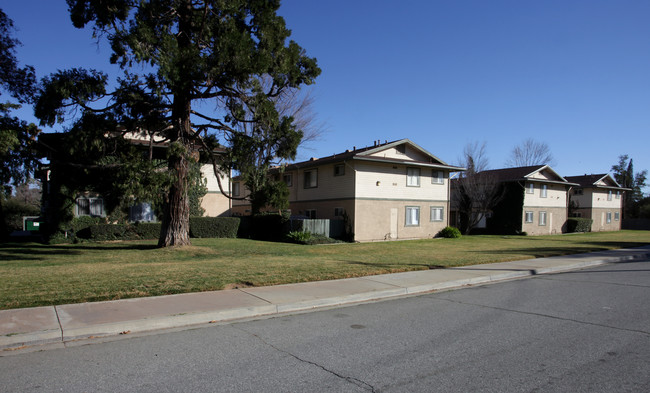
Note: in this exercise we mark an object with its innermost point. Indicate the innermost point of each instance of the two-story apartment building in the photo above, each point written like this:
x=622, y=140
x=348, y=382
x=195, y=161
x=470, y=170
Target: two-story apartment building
x=394, y=190
x=600, y=198
x=535, y=201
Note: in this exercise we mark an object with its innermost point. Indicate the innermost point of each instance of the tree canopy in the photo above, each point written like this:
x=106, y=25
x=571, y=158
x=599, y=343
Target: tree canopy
x=530, y=152
x=198, y=73
x=623, y=173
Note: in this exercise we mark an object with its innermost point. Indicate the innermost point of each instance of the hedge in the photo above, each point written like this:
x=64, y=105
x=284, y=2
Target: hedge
x=146, y=230
x=575, y=224
x=102, y=232
x=214, y=227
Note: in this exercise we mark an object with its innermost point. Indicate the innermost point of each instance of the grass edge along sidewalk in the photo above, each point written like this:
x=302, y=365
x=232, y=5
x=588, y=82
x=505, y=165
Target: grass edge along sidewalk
x=41, y=275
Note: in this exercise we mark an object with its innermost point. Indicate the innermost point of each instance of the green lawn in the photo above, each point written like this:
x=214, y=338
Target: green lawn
x=37, y=275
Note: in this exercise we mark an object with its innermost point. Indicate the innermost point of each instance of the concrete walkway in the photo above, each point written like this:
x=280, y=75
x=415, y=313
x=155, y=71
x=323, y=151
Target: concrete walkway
x=58, y=326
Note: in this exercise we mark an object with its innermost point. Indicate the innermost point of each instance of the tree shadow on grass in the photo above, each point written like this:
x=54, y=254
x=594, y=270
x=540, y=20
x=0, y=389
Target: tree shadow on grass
x=32, y=252
x=544, y=252
x=395, y=265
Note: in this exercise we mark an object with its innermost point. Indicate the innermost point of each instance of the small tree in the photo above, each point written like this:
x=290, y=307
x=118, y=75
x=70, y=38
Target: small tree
x=625, y=176
x=530, y=152
x=476, y=191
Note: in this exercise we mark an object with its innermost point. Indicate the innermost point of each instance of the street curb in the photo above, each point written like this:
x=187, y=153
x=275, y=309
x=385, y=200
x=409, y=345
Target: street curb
x=522, y=269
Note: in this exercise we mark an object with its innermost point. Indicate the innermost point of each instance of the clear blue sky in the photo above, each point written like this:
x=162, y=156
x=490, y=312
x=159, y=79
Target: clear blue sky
x=574, y=74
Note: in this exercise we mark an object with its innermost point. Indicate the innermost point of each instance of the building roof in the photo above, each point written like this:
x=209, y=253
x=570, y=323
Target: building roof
x=526, y=173
x=366, y=154
x=603, y=180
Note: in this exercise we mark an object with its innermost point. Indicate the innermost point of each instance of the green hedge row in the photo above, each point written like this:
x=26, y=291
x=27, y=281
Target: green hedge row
x=223, y=227
x=200, y=227
x=575, y=224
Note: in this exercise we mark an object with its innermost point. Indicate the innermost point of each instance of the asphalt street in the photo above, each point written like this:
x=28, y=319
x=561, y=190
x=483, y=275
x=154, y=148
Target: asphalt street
x=579, y=331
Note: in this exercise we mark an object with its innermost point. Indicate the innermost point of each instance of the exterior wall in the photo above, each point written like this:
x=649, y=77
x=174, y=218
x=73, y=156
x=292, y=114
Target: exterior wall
x=409, y=153
x=555, y=220
x=599, y=199
x=328, y=186
x=388, y=181
x=214, y=202
x=556, y=196
x=386, y=220
x=599, y=217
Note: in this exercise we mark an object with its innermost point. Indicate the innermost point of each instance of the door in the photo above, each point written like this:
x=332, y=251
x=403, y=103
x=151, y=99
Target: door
x=393, y=223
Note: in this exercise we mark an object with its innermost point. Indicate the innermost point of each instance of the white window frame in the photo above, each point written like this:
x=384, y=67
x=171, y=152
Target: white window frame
x=543, y=191
x=542, y=218
x=609, y=217
x=313, y=178
x=412, y=180
x=437, y=177
x=412, y=216
x=609, y=195
x=617, y=216
x=530, y=217
x=437, y=214
x=339, y=170
x=531, y=188
x=618, y=195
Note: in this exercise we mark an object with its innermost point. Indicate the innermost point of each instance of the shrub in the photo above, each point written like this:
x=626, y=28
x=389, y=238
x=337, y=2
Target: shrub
x=102, y=232
x=209, y=227
x=272, y=227
x=299, y=237
x=146, y=230
x=576, y=224
x=449, y=232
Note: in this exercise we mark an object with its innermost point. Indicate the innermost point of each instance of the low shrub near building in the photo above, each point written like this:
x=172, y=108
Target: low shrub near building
x=103, y=232
x=449, y=232
x=146, y=230
x=208, y=227
x=576, y=224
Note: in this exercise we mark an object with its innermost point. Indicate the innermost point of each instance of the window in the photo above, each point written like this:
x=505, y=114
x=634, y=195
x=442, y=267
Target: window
x=577, y=215
x=235, y=189
x=436, y=213
x=339, y=170
x=412, y=216
x=529, y=217
x=618, y=195
x=437, y=177
x=543, y=191
x=339, y=212
x=288, y=179
x=310, y=213
x=93, y=207
x=311, y=178
x=609, y=217
x=578, y=191
x=542, y=218
x=413, y=177
x=530, y=189
x=609, y=195
x=617, y=216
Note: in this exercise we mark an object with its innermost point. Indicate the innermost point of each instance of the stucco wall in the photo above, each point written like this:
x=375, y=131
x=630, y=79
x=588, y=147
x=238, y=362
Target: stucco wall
x=215, y=205
x=599, y=217
x=555, y=220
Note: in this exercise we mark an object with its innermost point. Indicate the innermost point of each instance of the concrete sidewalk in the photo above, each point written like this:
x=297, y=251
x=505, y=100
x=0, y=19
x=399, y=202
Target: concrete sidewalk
x=56, y=326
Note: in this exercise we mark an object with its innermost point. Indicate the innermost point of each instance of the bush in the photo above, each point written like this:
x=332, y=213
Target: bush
x=576, y=224
x=103, y=232
x=271, y=227
x=299, y=237
x=449, y=232
x=209, y=227
x=146, y=230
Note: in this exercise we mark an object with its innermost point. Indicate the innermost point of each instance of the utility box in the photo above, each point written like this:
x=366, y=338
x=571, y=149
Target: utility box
x=31, y=224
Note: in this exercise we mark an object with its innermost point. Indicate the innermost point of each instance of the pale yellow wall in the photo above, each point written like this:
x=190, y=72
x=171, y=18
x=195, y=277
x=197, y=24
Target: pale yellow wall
x=387, y=181
x=409, y=154
x=556, y=196
x=329, y=186
x=599, y=217
x=215, y=205
x=599, y=199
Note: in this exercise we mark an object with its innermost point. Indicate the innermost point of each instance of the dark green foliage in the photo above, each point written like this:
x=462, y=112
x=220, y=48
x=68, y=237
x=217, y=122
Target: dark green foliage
x=299, y=237
x=624, y=174
x=270, y=227
x=207, y=227
x=146, y=230
x=449, y=232
x=103, y=232
x=576, y=224
x=507, y=214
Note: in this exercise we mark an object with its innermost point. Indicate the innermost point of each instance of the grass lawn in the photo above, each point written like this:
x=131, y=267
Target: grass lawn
x=37, y=275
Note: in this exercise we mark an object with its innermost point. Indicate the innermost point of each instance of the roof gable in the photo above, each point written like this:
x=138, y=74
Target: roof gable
x=540, y=173
x=403, y=150
x=598, y=180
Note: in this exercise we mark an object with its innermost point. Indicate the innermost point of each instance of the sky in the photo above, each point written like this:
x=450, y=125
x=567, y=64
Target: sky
x=574, y=74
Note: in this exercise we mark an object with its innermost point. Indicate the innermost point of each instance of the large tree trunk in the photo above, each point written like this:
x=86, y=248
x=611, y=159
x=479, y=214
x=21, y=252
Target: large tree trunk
x=175, y=229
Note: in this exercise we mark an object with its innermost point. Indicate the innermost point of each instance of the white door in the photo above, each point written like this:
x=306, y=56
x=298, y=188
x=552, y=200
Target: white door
x=393, y=223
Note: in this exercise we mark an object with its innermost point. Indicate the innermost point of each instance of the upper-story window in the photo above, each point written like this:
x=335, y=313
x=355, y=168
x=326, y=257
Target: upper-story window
x=413, y=177
x=618, y=195
x=437, y=177
x=543, y=191
x=609, y=195
x=288, y=179
x=530, y=189
x=339, y=170
x=311, y=178
x=578, y=191
x=236, y=189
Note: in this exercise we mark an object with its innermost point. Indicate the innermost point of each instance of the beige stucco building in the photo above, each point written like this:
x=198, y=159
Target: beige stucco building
x=389, y=191
x=600, y=198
